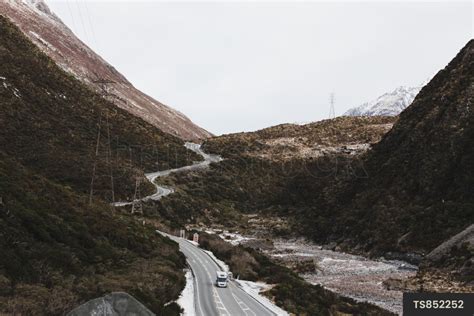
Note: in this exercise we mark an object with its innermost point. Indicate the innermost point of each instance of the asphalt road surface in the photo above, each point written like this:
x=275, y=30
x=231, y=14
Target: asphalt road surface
x=162, y=191
x=211, y=300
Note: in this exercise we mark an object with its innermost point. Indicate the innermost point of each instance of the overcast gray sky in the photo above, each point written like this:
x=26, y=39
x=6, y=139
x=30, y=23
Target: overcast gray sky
x=241, y=66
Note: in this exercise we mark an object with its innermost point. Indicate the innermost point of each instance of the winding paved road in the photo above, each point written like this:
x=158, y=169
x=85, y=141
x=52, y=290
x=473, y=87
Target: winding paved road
x=162, y=191
x=209, y=299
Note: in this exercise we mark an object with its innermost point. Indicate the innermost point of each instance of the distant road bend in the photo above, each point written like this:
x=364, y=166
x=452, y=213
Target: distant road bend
x=162, y=191
x=209, y=299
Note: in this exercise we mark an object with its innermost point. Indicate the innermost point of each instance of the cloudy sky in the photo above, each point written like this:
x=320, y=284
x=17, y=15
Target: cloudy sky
x=241, y=66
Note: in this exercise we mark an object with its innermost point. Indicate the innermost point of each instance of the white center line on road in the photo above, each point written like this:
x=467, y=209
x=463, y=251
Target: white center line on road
x=243, y=306
x=240, y=303
x=217, y=299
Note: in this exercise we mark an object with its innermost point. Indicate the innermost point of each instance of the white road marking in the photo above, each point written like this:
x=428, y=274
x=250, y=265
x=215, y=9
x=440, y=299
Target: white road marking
x=222, y=310
x=198, y=299
x=243, y=306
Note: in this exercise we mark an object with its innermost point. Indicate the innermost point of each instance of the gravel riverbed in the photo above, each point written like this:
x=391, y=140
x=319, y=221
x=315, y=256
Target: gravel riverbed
x=349, y=275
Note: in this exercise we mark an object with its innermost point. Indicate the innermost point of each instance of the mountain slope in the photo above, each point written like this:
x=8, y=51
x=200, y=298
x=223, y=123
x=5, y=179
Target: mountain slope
x=53, y=37
x=409, y=193
x=52, y=123
x=388, y=104
x=271, y=170
x=290, y=141
x=420, y=175
x=58, y=249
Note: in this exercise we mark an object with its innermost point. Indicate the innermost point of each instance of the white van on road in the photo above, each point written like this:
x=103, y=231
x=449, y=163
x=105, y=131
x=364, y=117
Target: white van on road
x=221, y=279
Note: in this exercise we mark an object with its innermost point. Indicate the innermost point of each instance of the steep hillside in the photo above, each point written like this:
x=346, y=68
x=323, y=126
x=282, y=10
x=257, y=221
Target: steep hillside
x=54, y=125
x=408, y=194
x=389, y=104
x=54, y=38
x=59, y=250
x=418, y=191
x=284, y=142
x=274, y=170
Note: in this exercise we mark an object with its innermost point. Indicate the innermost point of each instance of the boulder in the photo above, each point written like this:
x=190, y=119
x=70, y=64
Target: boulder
x=113, y=304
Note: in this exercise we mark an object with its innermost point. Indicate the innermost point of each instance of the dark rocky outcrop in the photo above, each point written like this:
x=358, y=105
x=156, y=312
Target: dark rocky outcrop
x=113, y=304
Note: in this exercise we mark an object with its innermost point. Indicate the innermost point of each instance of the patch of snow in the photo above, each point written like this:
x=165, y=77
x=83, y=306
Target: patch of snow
x=186, y=298
x=222, y=265
x=234, y=239
x=43, y=41
x=254, y=288
x=299, y=254
x=135, y=104
x=16, y=93
x=3, y=78
x=193, y=242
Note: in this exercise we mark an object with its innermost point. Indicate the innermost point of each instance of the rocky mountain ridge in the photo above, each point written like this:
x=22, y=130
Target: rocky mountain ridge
x=388, y=104
x=54, y=38
x=284, y=142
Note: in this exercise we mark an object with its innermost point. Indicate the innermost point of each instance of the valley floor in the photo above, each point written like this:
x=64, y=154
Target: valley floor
x=348, y=275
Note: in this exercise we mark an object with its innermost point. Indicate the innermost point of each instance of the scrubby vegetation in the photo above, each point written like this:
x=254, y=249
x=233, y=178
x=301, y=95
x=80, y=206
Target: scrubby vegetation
x=52, y=123
x=290, y=141
x=245, y=182
x=57, y=249
x=408, y=194
x=290, y=292
x=418, y=191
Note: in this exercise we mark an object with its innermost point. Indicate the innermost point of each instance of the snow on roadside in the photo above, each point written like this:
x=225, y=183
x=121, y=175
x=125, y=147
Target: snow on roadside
x=253, y=289
x=186, y=298
x=234, y=239
x=224, y=267
x=193, y=242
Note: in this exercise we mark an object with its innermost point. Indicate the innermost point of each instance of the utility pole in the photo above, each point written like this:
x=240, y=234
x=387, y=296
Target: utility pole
x=105, y=88
x=137, y=197
x=332, y=111
x=109, y=160
x=91, y=193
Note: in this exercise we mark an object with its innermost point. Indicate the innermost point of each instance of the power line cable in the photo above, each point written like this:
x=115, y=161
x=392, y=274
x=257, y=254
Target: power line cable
x=72, y=17
x=82, y=21
x=91, y=27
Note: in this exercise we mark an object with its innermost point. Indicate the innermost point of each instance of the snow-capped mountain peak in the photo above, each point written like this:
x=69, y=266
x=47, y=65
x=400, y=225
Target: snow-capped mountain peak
x=388, y=104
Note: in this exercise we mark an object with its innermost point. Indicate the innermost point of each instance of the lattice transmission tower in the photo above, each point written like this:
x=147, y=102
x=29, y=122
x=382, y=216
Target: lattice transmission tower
x=332, y=111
